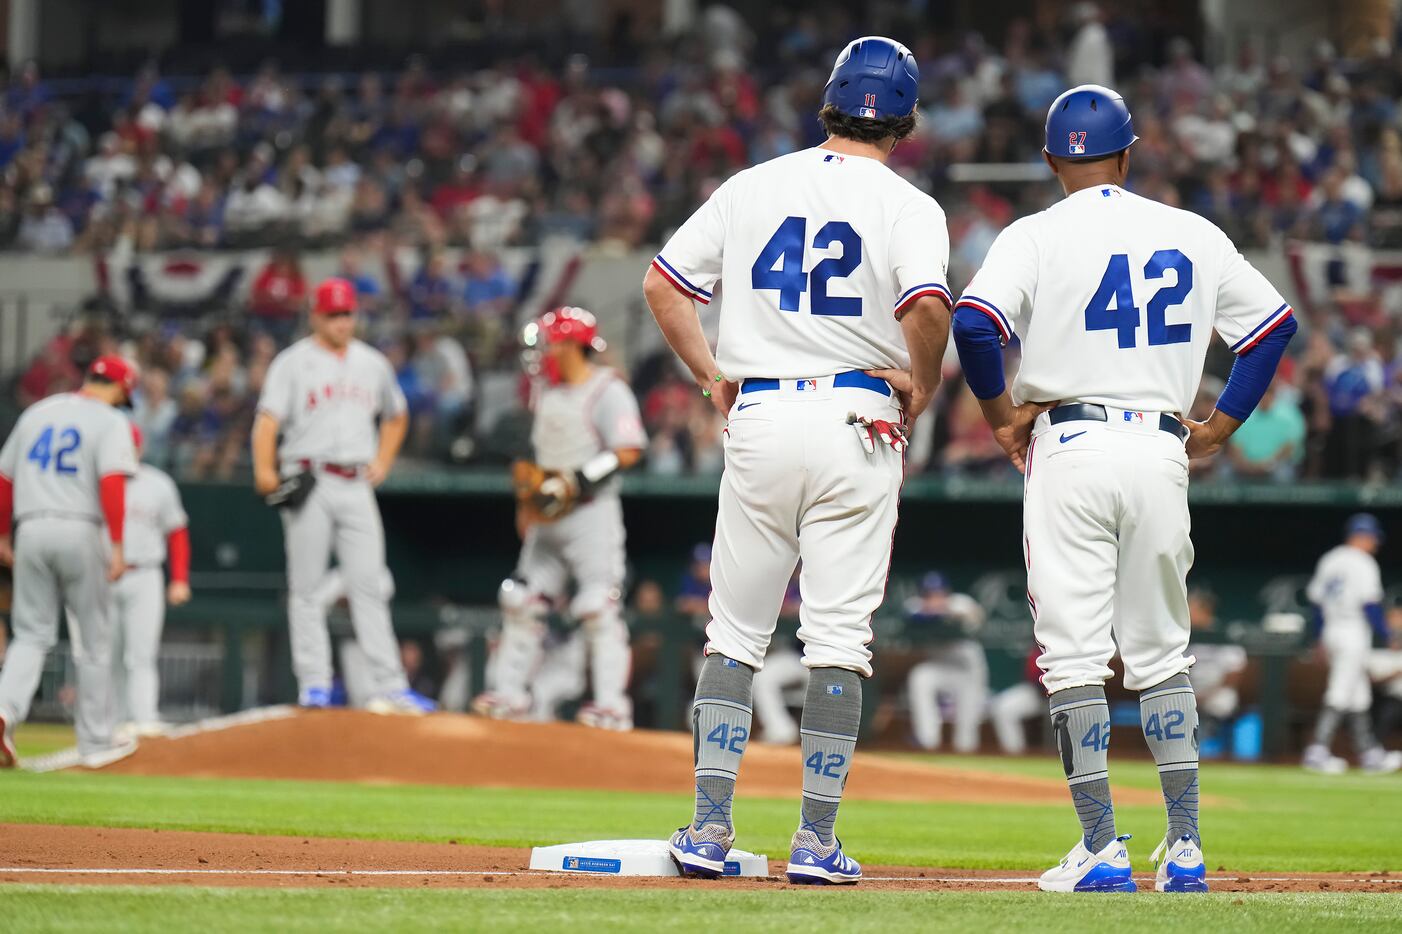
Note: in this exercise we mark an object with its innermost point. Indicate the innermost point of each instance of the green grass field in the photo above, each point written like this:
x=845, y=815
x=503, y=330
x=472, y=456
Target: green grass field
x=1266, y=819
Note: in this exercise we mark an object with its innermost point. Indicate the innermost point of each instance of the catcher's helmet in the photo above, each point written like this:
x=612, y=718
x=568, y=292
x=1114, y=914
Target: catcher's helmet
x=567, y=324
x=874, y=77
x=1087, y=122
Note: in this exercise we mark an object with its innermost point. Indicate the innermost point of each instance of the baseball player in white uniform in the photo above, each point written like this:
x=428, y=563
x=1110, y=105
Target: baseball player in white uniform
x=586, y=429
x=836, y=314
x=156, y=530
x=955, y=669
x=63, y=473
x=1347, y=591
x=324, y=396
x=1115, y=299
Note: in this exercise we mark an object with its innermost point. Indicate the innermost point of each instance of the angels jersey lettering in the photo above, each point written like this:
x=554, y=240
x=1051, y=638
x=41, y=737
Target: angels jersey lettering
x=326, y=403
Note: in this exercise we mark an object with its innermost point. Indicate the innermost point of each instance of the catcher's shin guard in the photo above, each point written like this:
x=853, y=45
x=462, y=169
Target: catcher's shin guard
x=519, y=651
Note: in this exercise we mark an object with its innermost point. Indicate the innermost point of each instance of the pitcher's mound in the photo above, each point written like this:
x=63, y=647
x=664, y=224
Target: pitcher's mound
x=453, y=749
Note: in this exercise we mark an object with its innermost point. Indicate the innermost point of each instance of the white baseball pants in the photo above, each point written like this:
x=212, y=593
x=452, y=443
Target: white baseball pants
x=799, y=484
x=1348, y=646
x=958, y=672
x=1105, y=520
x=139, y=612
x=341, y=515
x=61, y=563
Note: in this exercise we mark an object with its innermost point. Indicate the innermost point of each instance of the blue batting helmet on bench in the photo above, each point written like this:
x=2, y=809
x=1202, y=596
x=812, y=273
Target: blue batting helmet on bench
x=1088, y=122
x=874, y=77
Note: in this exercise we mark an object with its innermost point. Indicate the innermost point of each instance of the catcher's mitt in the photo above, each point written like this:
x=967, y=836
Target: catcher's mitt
x=543, y=495
x=292, y=492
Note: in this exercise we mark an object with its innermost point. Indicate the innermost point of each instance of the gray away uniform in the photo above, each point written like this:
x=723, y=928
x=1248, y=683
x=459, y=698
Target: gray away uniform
x=57, y=455
x=572, y=424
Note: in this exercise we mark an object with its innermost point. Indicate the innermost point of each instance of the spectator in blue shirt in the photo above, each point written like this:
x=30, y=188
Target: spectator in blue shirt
x=431, y=292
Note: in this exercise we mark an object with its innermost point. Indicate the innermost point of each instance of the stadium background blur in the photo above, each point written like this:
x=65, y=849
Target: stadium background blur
x=175, y=177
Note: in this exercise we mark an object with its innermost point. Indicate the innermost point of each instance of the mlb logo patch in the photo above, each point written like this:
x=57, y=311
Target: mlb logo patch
x=1076, y=145
x=867, y=112
x=834, y=689
x=833, y=157
x=807, y=384
x=1135, y=417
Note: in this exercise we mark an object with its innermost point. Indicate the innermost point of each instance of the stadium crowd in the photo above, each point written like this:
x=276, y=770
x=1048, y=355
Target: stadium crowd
x=520, y=152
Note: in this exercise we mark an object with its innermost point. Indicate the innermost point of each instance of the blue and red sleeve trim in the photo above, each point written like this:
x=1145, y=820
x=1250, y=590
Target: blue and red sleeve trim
x=679, y=281
x=916, y=292
x=1271, y=322
x=1005, y=329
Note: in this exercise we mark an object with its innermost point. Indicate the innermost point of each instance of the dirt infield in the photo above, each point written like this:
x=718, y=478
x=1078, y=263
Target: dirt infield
x=32, y=853
x=451, y=749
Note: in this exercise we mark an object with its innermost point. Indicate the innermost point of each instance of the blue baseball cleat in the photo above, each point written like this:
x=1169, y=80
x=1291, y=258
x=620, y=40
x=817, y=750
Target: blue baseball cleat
x=1083, y=871
x=811, y=863
x=314, y=698
x=1181, y=868
x=701, y=853
x=403, y=701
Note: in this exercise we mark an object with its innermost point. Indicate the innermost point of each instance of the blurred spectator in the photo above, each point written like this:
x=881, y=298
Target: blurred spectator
x=694, y=592
x=1270, y=444
x=1354, y=382
x=155, y=412
x=44, y=229
x=279, y=295
x=431, y=292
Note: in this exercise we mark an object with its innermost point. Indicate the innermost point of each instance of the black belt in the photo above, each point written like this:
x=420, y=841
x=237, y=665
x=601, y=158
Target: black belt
x=1090, y=412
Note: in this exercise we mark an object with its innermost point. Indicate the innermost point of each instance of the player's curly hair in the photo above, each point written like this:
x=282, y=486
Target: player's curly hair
x=865, y=129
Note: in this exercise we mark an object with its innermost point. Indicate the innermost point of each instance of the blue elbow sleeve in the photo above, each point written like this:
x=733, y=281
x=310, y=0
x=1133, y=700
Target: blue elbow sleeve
x=1376, y=619
x=1253, y=371
x=980, y=346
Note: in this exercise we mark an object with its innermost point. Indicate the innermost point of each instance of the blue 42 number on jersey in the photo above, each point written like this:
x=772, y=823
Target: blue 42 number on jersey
x=42, y=451
x=1123, y=318
x=780, y=267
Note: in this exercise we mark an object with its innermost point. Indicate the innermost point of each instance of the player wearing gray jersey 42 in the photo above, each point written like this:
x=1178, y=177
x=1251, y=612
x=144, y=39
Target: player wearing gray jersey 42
x=323, y=396
x=586, y=429
x=63, y=472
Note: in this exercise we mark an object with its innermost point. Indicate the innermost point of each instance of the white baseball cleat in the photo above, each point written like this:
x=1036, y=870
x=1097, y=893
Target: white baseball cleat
x=404, y=701
x=1379, y=760
x=1180, y=866
x=618, y=719
x=501, y=707
x=8, y=758
x=1319, y=759
x=101, y=758
x=1084, y=871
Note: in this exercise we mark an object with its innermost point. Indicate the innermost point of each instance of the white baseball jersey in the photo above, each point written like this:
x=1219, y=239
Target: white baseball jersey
x=575, y=421
x=154, y=511
x=60, y=448
x=326, y=403
x=1115, y=298
x=817, y=254
x=1345, y=580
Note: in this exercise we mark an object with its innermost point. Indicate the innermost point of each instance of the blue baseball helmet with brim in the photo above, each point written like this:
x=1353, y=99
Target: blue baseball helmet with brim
x=1088, y=122
x=873, y=78
x=1363, y=523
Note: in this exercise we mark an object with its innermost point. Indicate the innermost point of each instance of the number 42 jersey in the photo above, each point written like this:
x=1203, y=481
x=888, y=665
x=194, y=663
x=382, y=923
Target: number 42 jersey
x=817, y=255
x=1115, y=298
x=60, y=449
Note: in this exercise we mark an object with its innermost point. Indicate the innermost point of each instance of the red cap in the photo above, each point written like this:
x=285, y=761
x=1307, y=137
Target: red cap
x=334, y=295
x=136, y=436
x=117, y=370
x=572, y=324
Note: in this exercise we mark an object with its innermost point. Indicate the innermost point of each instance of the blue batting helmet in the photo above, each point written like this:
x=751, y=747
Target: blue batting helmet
x=1087, y=122
x=874, y=77
x=1364, y=523
x=933, y=581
